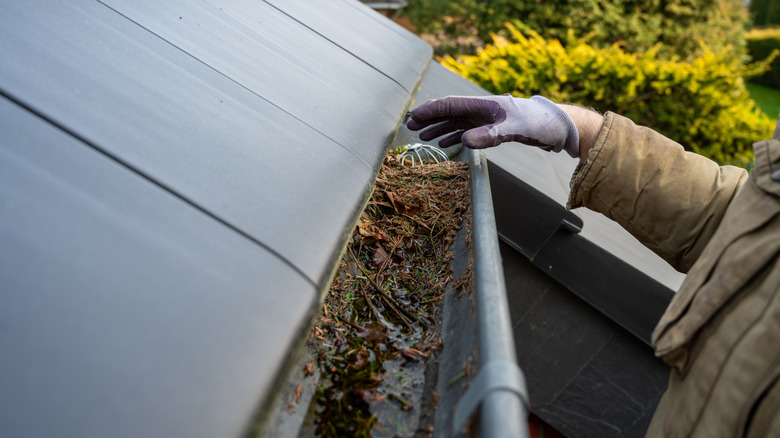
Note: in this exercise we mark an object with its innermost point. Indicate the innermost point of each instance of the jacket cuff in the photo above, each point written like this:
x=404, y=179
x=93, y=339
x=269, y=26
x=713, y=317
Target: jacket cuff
x=587, y=172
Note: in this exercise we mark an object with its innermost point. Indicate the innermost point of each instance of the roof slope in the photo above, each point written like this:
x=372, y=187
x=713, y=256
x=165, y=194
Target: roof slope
x=176, y=183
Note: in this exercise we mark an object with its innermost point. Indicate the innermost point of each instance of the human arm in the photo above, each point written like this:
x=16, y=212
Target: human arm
x=588, y=123
x=670, y=199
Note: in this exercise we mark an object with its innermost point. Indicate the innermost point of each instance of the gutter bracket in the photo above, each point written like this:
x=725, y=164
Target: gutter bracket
x=494, y=376
x=526, y=218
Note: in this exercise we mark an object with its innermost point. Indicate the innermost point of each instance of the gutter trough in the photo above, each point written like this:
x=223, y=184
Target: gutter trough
x=499, y=388
x=475, y=329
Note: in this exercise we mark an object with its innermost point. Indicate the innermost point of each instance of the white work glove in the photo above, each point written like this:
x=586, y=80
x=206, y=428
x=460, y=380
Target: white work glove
x=483, y=122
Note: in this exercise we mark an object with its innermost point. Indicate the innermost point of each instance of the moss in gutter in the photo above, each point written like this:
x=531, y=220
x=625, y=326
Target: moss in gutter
x=377, y=333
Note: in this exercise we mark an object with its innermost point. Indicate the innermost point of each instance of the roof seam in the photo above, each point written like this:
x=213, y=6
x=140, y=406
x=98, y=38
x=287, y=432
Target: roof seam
x=339, y=46
x=154, y=181
x=234, y=81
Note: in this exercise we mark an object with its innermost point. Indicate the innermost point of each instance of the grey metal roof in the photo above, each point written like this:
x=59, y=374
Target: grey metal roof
x=385, y=4
x=178, y=179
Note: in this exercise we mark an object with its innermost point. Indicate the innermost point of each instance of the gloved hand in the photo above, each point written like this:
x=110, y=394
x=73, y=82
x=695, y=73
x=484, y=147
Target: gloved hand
x=483, y=122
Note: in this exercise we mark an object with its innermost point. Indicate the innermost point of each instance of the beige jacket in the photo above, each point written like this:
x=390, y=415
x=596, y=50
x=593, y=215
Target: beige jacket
x=721, y=332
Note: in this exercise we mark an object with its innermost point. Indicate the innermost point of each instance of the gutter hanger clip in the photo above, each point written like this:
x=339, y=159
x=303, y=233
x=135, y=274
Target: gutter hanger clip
x=494, y=376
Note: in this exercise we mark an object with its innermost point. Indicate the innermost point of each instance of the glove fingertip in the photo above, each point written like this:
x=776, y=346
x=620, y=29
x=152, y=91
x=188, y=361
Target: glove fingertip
x=478, y=138
x=426, y=135
x=451, y=140
x=414, y=125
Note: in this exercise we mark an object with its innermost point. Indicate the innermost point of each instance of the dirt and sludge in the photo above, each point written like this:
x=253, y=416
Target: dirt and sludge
x=376, y=341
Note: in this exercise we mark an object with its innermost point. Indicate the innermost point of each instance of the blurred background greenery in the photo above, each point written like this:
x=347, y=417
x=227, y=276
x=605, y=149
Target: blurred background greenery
x=704, y=72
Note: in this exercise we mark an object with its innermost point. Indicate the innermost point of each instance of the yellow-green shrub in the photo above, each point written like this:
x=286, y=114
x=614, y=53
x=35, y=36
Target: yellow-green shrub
x=702, y=104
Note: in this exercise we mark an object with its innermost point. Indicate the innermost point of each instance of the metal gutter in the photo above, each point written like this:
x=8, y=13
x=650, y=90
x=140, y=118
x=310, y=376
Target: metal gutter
x=499, y=389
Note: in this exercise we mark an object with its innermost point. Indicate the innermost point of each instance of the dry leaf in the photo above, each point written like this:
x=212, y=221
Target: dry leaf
x=380, y=255
x=402, y=207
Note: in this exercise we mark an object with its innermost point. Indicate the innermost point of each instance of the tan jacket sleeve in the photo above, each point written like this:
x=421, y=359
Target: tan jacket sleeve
x=669, y=199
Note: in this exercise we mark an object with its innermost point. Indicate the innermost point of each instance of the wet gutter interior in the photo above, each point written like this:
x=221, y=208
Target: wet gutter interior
x=478, y=326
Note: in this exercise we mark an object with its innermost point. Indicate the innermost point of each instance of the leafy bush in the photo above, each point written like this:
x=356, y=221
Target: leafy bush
x=636, y=24
x=702, y=104
x=762, y=43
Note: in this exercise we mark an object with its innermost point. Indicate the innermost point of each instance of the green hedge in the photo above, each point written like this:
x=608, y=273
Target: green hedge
x=458, y=26
x=702, y=104
x=762, y=43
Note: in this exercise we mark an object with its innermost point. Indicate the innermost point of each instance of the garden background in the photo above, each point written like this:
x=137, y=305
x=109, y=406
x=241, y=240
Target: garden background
x=703, y=72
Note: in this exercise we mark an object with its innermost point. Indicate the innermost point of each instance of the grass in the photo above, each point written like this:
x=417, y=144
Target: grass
x=768, y=99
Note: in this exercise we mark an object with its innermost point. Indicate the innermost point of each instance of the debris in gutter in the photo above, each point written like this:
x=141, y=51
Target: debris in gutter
x=376, y=340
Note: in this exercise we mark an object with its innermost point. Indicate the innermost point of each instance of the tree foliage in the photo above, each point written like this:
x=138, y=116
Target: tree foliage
x=702, y=104
x=635, y=24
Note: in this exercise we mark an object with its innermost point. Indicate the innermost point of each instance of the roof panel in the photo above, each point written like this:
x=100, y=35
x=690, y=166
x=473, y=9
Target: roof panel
x=125, y=311
x=389, y=48
x=188, y=127
x=176, y=182
x=250, y=43
x=441, y=82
